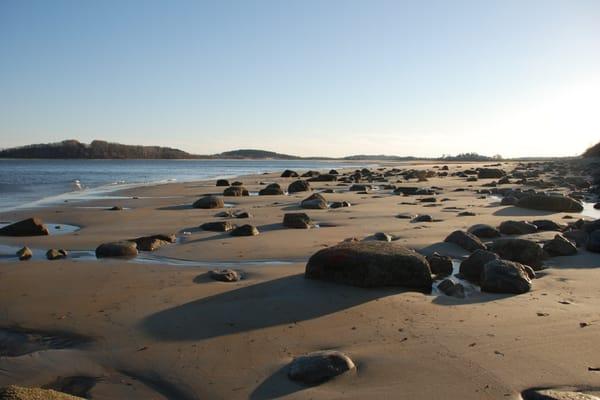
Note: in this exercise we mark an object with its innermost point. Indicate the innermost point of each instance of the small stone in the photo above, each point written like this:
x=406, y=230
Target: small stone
x=56, y=254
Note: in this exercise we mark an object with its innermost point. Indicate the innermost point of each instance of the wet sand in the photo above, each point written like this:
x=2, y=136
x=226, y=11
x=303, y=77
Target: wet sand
x=164, y=330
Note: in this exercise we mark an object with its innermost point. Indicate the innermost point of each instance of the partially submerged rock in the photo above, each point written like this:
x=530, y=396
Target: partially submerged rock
x=56, y=254
x=27, y=227
x=24, y=253
x=319, y=366
x=370, y=264
x=440, y=265
x=209, y=202
x=123, y=248
x=503, y=276
x=153, y=242
x=450, y=288
x=465, y=240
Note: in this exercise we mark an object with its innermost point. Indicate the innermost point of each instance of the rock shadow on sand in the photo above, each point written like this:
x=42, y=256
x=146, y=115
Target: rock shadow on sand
x=280, y=301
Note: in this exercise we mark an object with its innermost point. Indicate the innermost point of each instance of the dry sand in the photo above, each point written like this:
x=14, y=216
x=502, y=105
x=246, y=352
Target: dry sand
x=165, y=331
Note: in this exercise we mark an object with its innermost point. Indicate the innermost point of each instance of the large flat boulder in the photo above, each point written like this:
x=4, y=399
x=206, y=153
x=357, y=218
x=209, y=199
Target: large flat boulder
x=550, y=203
x=370, y=264
x=27, y=227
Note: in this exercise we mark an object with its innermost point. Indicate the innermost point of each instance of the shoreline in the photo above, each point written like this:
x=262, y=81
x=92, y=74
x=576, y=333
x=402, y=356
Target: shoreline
x=172, y=325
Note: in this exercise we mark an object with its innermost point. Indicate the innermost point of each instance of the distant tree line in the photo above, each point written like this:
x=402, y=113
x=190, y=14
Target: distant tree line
x=470, y=157
x=97, y=149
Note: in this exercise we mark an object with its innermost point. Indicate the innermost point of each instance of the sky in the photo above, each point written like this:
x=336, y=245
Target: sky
x=324, y=77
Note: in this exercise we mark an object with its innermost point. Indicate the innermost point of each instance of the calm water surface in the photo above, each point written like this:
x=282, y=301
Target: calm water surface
x=25, y=183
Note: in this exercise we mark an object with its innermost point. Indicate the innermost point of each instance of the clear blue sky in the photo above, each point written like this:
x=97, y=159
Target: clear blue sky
x=304, y=77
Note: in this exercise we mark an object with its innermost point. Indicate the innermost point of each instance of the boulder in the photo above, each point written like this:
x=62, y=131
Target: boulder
x=339, y=204
x=217, y=226
x=560, y=246
x=484, y=231
x=465, y=240
x=577, y=236
x=422, y=218
x=242, y=214
x=272, y=189
x=245, y=230
x=297, y=221
x=593, y=243
x=56, y=254
x=472, y=267
x=517, y=228
x=117, y=249
x=209, y=202
x=370, y=264
x=406, y=191
x=288, y=173
x=450, y=288
x=509, y=201
x=319, y=366
x=235, y=191
x=490, y=173
x=548, y=225
x=153, y=242
x=314, y=202
x=522, y=251
x=225, y=275
x=299, y=186
x=116, y=208
x=554, y=203
x=503, y=276
x=13, y=392
x=24, y=253
x=27, y=227
x=222, y=182
x=324, y=178
x=440, y=265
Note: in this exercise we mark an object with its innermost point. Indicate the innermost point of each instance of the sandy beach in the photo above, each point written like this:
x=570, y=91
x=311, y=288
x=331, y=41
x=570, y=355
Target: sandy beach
x=160, y=328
